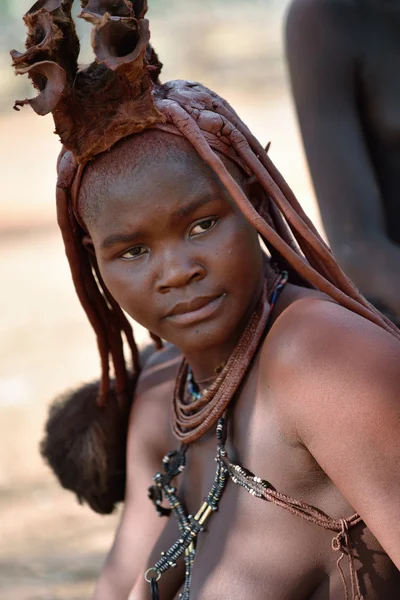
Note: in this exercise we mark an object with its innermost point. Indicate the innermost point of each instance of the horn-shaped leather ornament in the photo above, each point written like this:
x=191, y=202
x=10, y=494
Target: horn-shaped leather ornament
x=115, y=8
x=117, y=43
x=54, y=79
x=95, y=107
x=52, y=5
x=51, y=37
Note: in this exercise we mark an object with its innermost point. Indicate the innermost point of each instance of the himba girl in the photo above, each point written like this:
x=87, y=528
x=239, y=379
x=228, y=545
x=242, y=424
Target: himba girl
x=265, y=431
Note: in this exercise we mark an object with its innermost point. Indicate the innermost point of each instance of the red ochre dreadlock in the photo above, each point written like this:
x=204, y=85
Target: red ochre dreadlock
x=119, y=94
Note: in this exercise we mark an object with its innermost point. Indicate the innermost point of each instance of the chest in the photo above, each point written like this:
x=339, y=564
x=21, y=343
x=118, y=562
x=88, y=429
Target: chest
x=253, y=548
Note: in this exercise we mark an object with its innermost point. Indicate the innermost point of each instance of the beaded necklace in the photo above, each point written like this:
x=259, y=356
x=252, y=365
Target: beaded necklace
x=192, y=387
x=189, y=526
x=174, y=463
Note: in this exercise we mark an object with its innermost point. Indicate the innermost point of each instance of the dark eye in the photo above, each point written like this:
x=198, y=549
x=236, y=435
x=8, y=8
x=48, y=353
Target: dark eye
x=202, y=227
x=134, y=252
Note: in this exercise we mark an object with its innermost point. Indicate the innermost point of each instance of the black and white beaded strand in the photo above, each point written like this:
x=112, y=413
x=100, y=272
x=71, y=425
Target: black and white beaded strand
x=189, y=526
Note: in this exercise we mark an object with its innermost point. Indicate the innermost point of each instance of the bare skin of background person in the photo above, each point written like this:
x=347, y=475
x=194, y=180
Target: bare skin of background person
x=344, y=58
x=317, y=416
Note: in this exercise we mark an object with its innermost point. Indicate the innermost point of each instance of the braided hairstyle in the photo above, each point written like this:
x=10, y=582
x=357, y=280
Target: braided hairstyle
x=120, y=94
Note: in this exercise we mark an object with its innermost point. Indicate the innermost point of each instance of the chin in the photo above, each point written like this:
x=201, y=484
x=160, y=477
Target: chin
x=217, y=327
x=203, y=337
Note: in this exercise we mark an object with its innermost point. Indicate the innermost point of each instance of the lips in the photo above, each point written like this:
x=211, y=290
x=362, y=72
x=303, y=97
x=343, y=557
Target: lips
x=196, y=310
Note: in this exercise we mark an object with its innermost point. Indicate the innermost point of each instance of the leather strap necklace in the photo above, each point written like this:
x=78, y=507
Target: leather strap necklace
x=190, y=422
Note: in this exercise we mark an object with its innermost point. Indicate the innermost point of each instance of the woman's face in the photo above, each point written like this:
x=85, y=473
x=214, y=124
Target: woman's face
x=174, y=250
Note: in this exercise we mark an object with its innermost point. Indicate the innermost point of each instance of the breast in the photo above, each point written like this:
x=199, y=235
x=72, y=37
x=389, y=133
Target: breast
x=251, y=550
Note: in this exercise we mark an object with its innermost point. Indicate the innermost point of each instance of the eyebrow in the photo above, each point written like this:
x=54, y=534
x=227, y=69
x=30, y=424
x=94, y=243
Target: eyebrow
x=120, y=238
x=191, y=207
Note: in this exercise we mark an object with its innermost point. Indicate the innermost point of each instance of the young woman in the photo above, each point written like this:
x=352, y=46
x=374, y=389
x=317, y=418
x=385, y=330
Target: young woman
x=279, y=382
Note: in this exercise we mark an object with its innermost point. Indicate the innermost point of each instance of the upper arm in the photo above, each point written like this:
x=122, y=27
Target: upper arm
x=148, y=441
x=323, y=56
x=345, y=404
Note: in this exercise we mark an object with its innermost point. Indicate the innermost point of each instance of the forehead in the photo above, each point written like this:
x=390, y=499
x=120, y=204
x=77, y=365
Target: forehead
x=145, y=172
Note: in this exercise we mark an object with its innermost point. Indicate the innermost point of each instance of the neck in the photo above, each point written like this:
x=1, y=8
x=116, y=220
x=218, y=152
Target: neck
x=205, y=364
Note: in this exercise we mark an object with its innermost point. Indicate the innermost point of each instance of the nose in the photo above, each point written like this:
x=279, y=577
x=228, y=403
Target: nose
x=178, y=270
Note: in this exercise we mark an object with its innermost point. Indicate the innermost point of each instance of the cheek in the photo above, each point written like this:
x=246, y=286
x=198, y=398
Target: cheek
x=127, y=286
x=241, y=254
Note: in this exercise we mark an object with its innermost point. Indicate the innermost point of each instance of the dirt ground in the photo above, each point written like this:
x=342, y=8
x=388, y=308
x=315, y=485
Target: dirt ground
x=50, y=547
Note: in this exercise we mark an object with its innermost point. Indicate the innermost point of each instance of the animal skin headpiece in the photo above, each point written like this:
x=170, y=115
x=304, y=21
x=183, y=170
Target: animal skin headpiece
x=119, y=94
x=94, y=107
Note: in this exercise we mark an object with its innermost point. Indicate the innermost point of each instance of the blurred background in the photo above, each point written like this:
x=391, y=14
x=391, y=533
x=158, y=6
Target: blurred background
x=50, y=547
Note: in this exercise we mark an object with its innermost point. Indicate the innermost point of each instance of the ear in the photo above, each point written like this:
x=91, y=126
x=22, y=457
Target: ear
x=252, y=188
x=88, y=244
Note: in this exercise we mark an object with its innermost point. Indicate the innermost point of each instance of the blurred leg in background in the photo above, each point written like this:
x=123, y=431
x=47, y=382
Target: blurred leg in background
x=343, y=61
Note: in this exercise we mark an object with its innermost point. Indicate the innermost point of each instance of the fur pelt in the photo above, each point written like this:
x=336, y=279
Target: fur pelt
x=85, y=446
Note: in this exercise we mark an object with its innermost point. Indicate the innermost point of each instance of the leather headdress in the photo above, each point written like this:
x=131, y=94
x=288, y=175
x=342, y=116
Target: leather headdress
x=93, y=107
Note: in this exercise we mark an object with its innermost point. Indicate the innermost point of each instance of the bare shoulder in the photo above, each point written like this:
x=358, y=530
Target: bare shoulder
x=321, y=324
x=160, y=368
x=334, y=381
x=149, y=425
x=314, y=332
x=319, y=355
